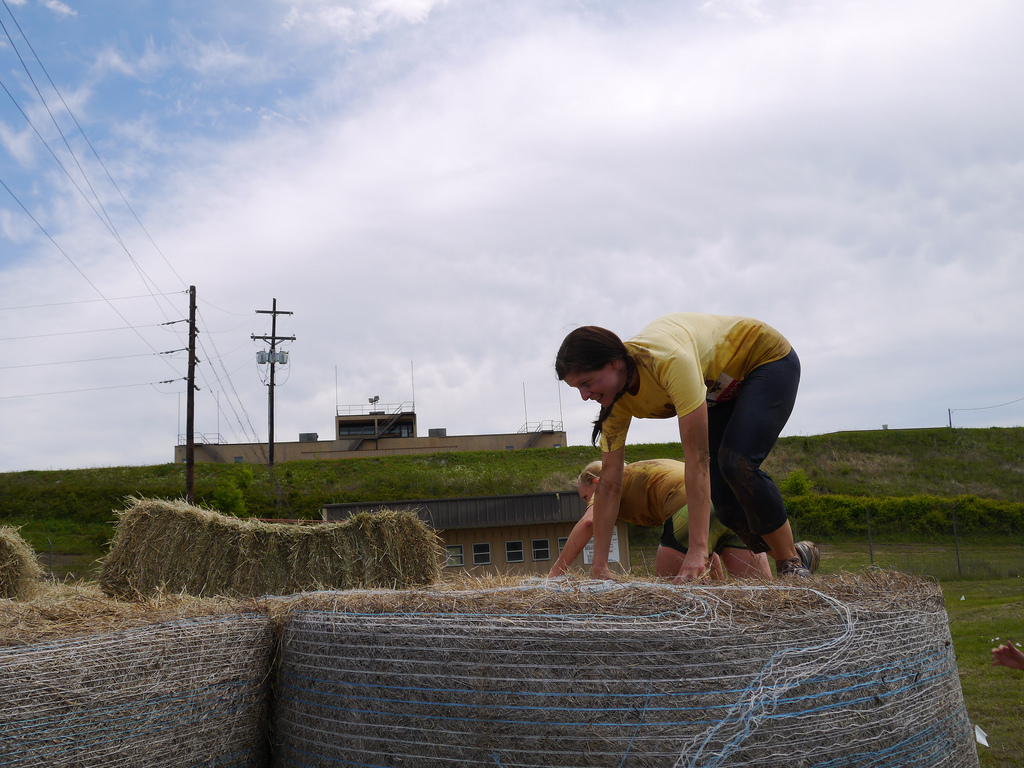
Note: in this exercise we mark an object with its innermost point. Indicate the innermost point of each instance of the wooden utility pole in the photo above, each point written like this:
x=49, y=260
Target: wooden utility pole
x=273, y=338
x=190, y=402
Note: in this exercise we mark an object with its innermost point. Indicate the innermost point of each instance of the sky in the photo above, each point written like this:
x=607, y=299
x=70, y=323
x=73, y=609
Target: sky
x=438, y=191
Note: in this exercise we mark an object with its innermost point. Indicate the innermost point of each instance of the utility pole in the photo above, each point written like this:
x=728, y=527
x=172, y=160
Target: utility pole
x=190, y=402
x=273, y=359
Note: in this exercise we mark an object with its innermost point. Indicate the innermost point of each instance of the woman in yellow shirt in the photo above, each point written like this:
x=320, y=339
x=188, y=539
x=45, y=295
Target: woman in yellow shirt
x=731, y=382
x=654, y=494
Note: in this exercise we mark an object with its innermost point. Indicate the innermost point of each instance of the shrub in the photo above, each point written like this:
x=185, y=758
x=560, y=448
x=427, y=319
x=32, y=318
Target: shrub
x=796, y=483
x=927, y=516
x=228, y=499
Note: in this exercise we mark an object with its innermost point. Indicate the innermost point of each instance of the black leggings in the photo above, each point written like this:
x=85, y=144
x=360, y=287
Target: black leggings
x=741, y=433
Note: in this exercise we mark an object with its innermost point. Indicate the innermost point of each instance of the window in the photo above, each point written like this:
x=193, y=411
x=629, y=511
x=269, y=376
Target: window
x=514, y=552
x=482, y=554
x=541, y=549
x=562, y=541
x=352, y=430
x=455, y=557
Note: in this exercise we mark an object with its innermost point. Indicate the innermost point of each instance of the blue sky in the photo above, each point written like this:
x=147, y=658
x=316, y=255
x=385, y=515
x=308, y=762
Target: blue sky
x=440, y=191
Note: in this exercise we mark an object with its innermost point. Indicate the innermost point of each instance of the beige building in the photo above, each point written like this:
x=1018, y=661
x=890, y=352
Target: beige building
x=375, y=430
x=517, y=535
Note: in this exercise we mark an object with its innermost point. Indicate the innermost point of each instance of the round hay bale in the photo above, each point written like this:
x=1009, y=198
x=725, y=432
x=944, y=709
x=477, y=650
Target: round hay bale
x=60, y=611
x=840, y=671
x=173, y=546
x=87, y=680
x=20, y=571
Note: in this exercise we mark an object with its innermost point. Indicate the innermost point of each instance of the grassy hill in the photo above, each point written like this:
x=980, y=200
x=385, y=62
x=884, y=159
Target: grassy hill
x=71, y=510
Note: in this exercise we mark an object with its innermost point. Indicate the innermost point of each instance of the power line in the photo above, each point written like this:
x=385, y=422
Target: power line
x=148, y=282
x=88, y=142
x=96, y=330
x=988, y=407
x=14, y=47
x=73, y=264
x=57, y=160
x=104, y=216
x=226, y=312
x=90, y=389
x=951, y=411
x=89, y=301
x=73, y=362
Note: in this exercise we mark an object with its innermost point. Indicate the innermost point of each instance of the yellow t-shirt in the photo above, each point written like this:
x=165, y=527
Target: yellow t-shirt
x=685, y=358
x=652, y=491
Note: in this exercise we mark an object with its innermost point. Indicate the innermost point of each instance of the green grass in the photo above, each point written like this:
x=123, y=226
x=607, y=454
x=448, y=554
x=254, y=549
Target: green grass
x=940, y=561
x=981, y=615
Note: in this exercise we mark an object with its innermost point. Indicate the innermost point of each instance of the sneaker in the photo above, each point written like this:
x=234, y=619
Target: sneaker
x=809, y=554
x=794, y=566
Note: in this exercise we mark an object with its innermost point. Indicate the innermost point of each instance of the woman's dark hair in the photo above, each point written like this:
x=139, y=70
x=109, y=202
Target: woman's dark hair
x=591, y=348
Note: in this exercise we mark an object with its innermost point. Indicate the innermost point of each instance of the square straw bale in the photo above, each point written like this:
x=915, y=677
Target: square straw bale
x=173, y=546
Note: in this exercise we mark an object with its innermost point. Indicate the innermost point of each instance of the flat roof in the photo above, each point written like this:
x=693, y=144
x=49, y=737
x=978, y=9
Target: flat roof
x=476, y=511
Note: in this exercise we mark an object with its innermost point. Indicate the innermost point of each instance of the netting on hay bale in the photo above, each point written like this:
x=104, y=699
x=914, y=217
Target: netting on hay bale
x=87, y=681
x=19, y=568
x=843, y=671
x=173, y=546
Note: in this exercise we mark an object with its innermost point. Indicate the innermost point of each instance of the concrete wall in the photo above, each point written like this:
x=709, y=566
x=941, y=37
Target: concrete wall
x=251, y=453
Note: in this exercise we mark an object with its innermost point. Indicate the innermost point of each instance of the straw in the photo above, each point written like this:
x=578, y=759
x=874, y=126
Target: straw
x=175, y=547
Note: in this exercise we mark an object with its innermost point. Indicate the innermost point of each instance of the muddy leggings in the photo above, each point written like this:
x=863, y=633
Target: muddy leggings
x=741, y=433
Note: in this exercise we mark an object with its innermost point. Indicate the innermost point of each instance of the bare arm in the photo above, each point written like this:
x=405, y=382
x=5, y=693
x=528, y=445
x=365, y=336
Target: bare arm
x=693, y=432
x=578, y=538
x=606, y=509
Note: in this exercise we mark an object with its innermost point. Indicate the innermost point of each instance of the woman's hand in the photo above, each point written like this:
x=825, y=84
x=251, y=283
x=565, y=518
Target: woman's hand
x=1008, y=655
x=694, y=568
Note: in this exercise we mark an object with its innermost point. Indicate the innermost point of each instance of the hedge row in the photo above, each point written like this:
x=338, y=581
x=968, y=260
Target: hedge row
x=849, y=516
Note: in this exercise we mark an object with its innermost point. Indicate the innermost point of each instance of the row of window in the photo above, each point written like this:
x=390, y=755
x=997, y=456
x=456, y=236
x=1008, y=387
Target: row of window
x=514, y=552
x=354, y=430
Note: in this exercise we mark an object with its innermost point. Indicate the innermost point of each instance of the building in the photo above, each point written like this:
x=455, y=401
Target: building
x=515, y=535
x=374, y=430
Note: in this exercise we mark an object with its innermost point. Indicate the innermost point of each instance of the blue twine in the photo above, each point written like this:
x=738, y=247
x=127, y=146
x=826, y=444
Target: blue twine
x=636, y=730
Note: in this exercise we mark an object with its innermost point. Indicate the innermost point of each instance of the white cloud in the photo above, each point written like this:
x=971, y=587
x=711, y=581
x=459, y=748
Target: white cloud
x=357, y=20
x=20, y=144
x=61, y=9
x=847, y=172
x=214, y=57
x=111, y=60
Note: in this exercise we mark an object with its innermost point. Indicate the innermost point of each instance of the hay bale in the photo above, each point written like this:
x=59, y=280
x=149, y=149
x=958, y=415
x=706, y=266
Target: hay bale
x=20, y=571
x=170, y=545
x=60, y=611
x=841, y=671
x=90, y=681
